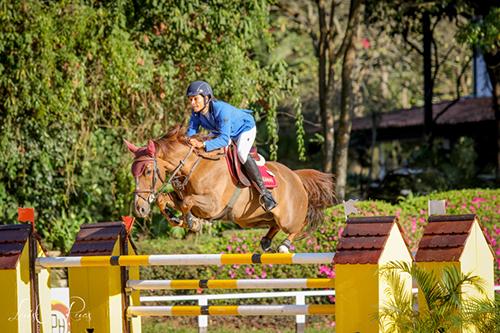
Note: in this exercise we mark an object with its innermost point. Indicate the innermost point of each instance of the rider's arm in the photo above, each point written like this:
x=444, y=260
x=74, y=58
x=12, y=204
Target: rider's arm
x=223, y=119
x=194, y=124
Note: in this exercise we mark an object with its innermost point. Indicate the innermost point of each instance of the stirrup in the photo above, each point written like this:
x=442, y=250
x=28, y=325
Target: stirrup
x=267, y=199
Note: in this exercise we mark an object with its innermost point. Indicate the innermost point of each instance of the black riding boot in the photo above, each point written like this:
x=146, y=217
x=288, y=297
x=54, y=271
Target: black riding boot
x=253, y=173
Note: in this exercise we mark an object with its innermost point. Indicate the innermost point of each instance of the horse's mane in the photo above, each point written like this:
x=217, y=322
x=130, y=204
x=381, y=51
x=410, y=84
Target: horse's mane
x=174, y=136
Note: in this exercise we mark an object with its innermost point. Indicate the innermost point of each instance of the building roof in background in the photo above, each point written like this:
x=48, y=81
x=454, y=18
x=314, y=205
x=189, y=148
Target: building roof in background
x=364, y=238
x=466, y=110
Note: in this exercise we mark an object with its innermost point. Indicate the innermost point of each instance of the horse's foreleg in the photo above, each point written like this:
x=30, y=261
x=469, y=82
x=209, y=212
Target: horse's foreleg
x=287, y=243
x=166, y=203
x=204, y=203
x=265, y=242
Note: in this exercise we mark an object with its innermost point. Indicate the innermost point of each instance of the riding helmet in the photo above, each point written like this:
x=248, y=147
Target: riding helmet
x=199, y=88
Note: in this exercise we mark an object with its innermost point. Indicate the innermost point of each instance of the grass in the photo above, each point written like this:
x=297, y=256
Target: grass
x=252, y=324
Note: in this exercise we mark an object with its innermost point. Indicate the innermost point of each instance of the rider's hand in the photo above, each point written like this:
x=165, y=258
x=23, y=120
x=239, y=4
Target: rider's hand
x=195, y=143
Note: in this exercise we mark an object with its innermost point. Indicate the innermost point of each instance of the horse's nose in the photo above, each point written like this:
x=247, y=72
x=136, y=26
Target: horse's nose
x=141, y=210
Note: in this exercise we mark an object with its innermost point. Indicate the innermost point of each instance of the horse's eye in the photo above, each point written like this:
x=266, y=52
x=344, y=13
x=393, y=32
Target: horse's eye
x=148, y=172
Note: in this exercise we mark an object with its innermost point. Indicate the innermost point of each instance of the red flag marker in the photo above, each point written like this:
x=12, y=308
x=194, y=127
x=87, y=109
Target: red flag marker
x=26, y=215
x=129, y=222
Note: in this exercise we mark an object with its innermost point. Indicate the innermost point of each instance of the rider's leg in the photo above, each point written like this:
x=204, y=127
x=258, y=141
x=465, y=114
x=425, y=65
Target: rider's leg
x=253, y=172
x=244, y=144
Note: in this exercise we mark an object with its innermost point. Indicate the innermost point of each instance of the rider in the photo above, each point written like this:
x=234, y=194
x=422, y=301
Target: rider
x=227, y=122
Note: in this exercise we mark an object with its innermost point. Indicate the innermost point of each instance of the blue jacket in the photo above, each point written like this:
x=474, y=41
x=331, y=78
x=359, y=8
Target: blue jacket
x=224, y=120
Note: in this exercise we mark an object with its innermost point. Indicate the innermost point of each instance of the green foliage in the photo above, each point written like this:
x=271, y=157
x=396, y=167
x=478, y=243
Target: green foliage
x=483, y=32
x=445, y=309
x=78, y=76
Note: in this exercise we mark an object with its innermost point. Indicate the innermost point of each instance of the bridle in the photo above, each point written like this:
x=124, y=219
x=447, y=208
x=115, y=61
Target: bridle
x=177, y=181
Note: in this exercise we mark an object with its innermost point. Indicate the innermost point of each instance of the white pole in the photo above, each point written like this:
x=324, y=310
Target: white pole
x=203, y=319
x=300, y=320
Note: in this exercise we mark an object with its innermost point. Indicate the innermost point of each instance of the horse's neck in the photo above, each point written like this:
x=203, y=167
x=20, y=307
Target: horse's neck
x=209, y=175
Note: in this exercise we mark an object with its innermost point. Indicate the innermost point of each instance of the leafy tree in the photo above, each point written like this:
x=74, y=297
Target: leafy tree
x=78, y=76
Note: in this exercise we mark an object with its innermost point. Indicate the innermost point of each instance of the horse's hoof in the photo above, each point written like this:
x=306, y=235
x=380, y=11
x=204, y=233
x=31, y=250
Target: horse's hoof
x=265, y=244
x=283, y=249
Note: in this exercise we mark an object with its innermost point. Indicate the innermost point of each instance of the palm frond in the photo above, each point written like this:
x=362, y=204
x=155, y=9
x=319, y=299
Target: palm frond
x=445, y=309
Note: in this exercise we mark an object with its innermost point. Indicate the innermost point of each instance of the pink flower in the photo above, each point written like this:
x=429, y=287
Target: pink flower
x=413, y=225
x=229, y=248
x=263, y=275
x=325, y=270
x=478, y=199
x=232, y=274
x=250, y=271
x=365, y=43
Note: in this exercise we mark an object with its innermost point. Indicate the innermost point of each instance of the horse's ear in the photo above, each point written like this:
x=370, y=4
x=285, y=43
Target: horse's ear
x=151, y=148
x=131, y=147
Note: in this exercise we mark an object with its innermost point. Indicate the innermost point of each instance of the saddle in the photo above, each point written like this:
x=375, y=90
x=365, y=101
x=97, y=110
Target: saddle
x=240, y=178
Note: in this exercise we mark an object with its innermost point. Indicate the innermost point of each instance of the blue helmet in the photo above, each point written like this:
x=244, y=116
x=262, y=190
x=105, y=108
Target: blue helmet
x=199, y=88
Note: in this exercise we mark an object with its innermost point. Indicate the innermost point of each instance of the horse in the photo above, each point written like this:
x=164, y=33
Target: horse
x=204, y=187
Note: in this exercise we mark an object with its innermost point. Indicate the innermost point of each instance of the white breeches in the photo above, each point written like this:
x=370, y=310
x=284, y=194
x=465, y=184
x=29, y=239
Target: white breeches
x=244, y=143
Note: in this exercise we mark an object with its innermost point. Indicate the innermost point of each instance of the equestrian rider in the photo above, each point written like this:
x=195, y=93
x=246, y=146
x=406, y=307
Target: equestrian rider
x=227, y=123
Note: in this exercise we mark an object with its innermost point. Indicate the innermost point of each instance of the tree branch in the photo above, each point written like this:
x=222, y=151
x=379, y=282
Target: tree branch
x=459, y=78
x=411, y=43
x=289, y=115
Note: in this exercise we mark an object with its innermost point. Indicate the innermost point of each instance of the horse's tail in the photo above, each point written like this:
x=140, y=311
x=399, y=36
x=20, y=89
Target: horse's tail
x=320, y=193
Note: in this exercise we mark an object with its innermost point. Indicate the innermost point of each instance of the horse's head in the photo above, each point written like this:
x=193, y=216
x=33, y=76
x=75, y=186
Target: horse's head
x=151, y=166
x=148, y=176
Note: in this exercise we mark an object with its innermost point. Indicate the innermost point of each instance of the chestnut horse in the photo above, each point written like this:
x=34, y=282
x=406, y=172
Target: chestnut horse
x=204, y=187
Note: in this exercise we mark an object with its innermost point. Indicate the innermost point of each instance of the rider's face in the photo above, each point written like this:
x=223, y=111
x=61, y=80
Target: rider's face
x=198, y=103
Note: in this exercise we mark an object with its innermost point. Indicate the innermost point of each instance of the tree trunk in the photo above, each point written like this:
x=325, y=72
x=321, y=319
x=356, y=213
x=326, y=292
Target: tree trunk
x=346, y=107
x=325, y=85
x=428, y=82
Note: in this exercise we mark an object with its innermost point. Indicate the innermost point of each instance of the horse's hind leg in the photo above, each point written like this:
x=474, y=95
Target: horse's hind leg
x=265, y=242
x=285, y=245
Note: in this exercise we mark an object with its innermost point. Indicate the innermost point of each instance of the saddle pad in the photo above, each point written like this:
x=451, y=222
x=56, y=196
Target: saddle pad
x=268, y=177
